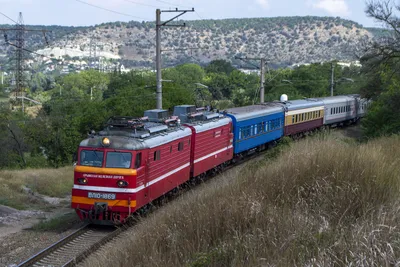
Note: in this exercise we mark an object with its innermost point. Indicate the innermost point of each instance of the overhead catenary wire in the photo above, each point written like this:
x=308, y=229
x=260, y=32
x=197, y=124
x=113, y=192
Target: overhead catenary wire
x=200, y=17
x=142, y=4
x=110, y=10
x=172, y=4
x=8, y=17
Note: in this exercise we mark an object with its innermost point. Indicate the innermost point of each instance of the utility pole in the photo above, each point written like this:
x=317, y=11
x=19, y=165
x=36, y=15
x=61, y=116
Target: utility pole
x=19, y=57
x=158, y=60
x=92, y=53
x=262, y=80
x=160, y=24
x=332, y=77
x=263, y=62
x=19, y=53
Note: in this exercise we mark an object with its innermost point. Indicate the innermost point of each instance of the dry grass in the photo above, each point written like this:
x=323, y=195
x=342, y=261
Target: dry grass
x=322, y=202
x=48, y=182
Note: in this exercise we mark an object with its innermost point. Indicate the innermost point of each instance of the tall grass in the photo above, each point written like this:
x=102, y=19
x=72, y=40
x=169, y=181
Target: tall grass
x=322, y=202
x=48, y=182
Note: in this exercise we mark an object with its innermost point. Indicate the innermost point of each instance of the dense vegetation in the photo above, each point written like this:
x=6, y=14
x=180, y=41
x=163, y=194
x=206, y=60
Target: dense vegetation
x=75, y=104
x=322, y=202
x=382, y=67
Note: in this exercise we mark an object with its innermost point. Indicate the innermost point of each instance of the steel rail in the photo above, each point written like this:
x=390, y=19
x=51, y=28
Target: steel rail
x=71, y=247
x=52, y=247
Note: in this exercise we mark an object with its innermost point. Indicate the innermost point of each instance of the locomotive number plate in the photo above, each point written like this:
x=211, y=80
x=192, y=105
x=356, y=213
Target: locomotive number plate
x=101, y=195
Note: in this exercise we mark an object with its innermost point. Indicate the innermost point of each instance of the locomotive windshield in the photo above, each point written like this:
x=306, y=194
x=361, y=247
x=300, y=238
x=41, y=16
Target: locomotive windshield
x=118, y=160
x=91, y=158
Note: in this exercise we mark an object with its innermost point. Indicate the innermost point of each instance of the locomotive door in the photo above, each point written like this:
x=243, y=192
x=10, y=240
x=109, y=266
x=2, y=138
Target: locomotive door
x=147, y=180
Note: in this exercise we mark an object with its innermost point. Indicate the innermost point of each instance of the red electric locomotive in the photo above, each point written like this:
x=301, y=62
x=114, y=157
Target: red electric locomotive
x=135, y=161
x=212, y=138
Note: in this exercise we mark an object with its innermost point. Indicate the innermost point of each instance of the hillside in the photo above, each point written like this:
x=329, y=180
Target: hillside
x=322, y=202
x=283, y=40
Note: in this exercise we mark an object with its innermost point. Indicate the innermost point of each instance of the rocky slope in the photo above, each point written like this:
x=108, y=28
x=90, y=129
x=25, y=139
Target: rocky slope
x=283, y=40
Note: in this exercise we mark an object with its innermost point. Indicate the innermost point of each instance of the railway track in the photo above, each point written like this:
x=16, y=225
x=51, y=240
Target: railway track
x=73, y=248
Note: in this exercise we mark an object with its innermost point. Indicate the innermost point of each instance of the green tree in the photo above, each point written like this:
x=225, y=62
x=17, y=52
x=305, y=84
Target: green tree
x=218, y=84
x=219, y=66
x=381, y=65
x=13, y=143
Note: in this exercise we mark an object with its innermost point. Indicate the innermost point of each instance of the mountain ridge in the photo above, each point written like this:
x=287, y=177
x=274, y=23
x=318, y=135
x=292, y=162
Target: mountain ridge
x=283, y=40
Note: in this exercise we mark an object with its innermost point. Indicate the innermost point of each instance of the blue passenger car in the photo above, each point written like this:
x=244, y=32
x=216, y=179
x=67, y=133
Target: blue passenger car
x=256, y=125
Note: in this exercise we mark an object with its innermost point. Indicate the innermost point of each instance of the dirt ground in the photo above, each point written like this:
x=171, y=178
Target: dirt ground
x=18, y=241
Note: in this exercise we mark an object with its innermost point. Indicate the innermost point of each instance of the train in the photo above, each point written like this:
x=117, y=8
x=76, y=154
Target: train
x=135, y=161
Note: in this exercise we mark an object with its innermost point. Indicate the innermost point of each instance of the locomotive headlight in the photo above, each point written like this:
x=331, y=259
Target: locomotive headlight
x=105, y=141
x=82, y=180
x=122, y=183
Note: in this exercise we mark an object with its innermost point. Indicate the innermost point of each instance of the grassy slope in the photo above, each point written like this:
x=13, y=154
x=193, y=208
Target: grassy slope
x=48, y=182
x=322, y=202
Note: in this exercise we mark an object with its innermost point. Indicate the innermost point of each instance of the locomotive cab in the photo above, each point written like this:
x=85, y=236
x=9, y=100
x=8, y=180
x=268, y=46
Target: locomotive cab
x=104, y=183
x=108, y=171
x=122, y=168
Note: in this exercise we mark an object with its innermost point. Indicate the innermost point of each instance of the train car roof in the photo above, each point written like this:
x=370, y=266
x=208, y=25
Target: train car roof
x=137, y=143
x=254, y=111
x=202, y=126
x=338, y=99
x=303, y=103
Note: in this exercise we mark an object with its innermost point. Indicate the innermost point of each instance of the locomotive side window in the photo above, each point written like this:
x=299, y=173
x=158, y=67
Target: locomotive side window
x=180, y=146
x=138, y=160
x=118, y=160
x=91, y=158
x=157, y=155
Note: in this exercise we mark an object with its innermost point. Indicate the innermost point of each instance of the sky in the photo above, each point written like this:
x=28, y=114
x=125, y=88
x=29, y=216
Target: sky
x=83, y=13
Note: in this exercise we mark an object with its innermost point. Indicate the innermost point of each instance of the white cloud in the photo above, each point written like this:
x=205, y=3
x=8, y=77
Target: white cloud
x=263, y=3
x=333, y=7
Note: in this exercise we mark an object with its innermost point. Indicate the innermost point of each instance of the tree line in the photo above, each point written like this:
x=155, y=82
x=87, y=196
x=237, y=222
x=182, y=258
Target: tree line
x=77, y=103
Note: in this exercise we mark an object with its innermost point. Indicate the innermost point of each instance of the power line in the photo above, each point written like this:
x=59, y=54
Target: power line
x=8, y=18
x=138, y=3
x=109, y=10
x=19, y=55
x=172, y=4
x=198, y=15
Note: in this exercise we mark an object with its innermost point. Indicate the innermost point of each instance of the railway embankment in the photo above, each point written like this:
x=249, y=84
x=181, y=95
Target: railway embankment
x=326, y=200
